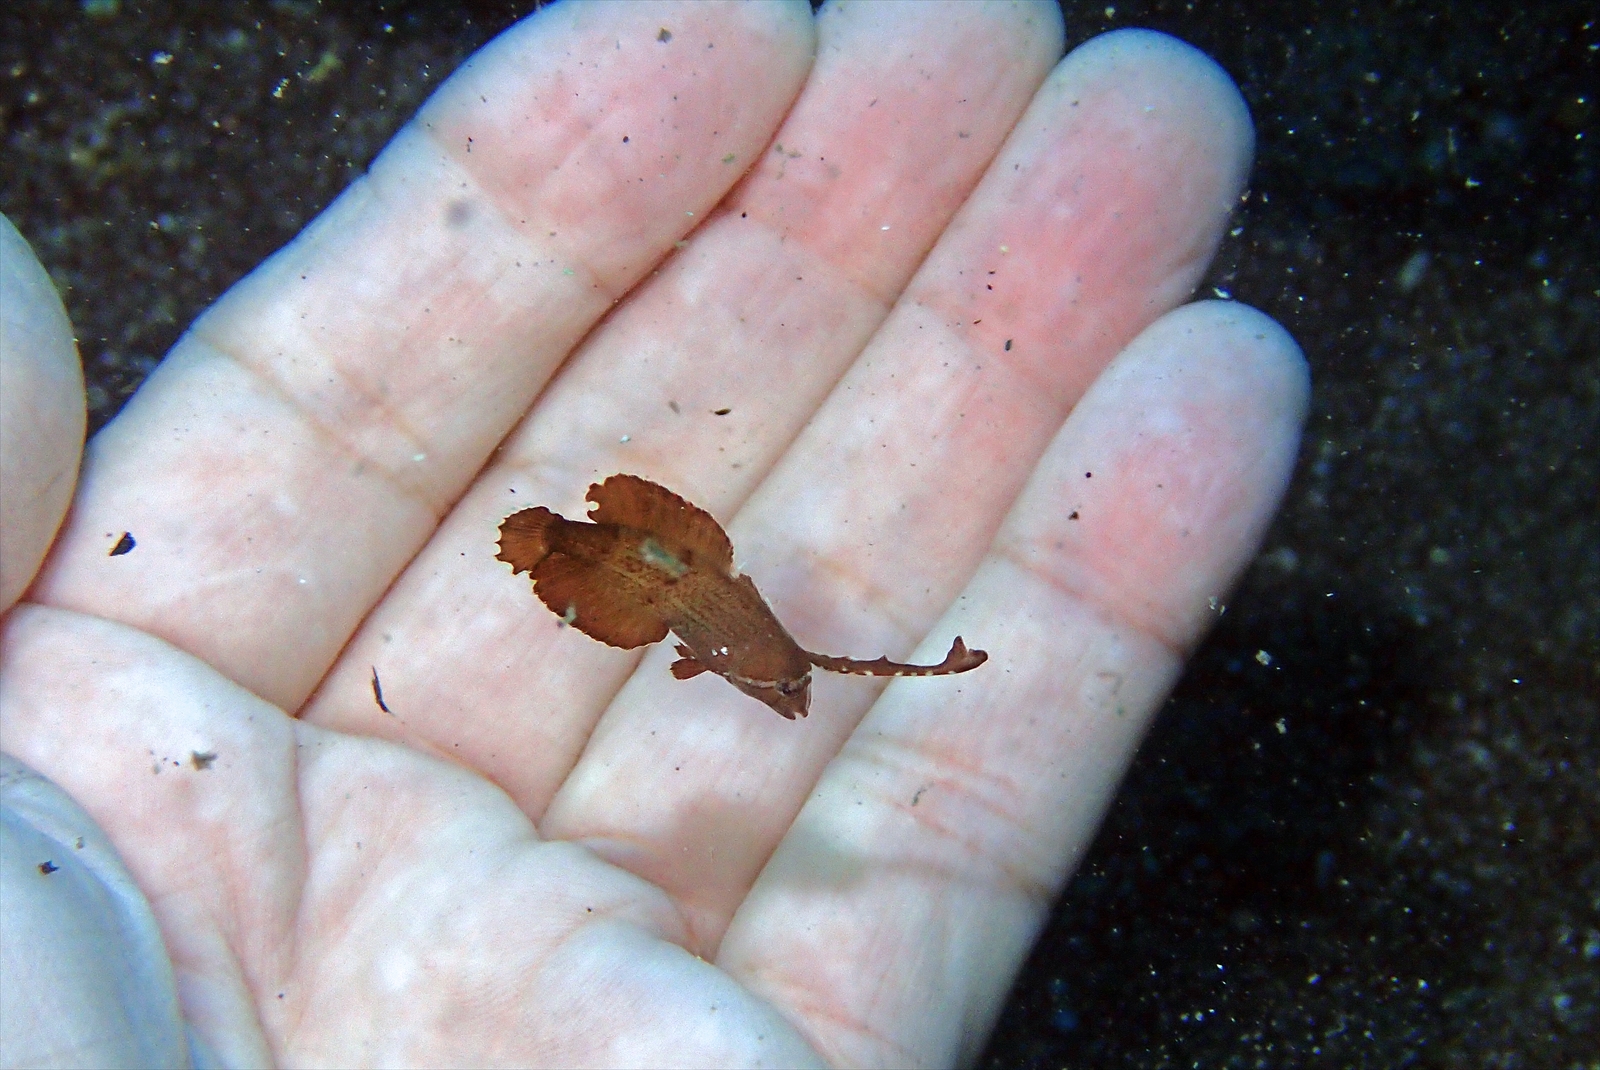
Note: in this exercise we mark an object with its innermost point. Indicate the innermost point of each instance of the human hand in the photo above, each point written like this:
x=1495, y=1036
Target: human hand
x=548, y=850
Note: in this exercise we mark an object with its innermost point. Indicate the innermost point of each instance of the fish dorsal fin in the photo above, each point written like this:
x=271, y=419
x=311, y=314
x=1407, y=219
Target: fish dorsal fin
x=634, y=502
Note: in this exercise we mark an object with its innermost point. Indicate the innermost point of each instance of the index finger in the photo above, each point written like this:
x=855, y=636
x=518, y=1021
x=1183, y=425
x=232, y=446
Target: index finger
x=301, y=441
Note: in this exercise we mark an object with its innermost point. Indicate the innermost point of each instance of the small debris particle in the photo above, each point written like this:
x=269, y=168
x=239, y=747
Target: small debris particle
x=328, y=64
x=673, y=405
x=377, y=692
x=1411, y=272
x=1072, y=515
x=1263, y=658
x=202, y=759
x=1008, y=345
x=124, y=545
x=720, y=412
x=664, y=36
x=48, y=867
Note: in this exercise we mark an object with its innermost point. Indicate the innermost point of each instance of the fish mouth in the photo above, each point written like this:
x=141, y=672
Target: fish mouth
x=787, y=698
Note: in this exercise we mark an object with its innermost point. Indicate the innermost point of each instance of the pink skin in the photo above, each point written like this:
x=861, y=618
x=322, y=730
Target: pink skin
x=551, y=851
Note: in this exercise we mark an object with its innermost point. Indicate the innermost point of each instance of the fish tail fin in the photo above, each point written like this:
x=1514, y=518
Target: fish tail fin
x=525, y=538
x=960, y=659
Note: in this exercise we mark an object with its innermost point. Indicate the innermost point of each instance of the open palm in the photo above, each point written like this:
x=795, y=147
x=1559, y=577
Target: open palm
x=892, y=294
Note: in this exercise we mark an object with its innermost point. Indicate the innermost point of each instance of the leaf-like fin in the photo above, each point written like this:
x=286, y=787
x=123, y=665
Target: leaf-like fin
x=584, y=597
x=960, y=659
x=635, y=502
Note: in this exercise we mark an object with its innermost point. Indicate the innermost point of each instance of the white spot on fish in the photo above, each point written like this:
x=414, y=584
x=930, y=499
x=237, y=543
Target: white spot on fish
x=659, y=557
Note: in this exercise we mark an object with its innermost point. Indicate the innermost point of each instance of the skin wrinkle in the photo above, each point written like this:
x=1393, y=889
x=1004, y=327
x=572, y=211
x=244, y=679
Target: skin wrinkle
x=548, y=232
x=831, y=572
x=380, y=190
x=1013, y=555
x=804, y=1015
x=392, y=470
x=323, y=432
x=1031, y=881
x=287, y=961
x=820, y=259
x=808, y=260
x=1049, y=374
x=858, y=280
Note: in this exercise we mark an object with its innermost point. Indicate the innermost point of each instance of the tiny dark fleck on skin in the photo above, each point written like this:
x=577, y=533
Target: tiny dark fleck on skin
x=48, y=867
x=377, y=692
x=720, y=412
x=124, y=545
x=202, y=759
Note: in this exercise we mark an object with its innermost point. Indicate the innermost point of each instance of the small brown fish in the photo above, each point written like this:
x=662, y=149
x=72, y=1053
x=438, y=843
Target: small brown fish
x=649, y=563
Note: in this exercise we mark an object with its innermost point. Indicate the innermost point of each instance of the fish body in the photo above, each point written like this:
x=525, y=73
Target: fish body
x=648, y=562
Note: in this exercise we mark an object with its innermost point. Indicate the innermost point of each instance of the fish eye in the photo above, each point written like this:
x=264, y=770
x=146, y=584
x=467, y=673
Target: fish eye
x=791, y=687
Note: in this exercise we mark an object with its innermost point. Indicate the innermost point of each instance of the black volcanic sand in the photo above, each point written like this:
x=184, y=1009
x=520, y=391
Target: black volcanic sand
x=1363, y=833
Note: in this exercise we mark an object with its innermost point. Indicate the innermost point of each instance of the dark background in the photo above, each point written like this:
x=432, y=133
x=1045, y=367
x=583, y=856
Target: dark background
x=1376, y=849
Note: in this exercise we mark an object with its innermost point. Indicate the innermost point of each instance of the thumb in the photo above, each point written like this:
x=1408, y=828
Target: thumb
x=41, y=413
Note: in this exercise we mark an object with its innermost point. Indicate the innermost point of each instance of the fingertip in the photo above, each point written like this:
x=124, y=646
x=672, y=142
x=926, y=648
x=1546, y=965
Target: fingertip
x=1162, y=71
x=1160, y=486
x=1041, y=22
x=1265, y=359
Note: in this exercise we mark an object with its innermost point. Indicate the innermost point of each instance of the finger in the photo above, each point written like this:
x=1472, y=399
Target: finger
x=41, y=413
x=895, y=913
x=755, y=320
x=301, y=441
x=341, y=902
x=1100, y=213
